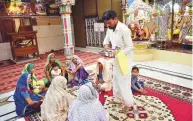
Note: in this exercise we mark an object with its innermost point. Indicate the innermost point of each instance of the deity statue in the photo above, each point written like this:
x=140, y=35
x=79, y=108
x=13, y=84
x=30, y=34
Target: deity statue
x=142, y=30
x=133, y=28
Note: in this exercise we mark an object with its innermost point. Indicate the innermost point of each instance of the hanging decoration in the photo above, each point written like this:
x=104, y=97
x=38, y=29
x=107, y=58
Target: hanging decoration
x=17, y=8
x=140, y=5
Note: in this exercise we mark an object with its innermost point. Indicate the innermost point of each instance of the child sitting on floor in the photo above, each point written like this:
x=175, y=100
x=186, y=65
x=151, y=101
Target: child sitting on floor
x=136, y=85
x=55, y=70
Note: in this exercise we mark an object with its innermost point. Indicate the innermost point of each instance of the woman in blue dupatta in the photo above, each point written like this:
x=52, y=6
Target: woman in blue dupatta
x=25, y=99
x=38, y=86
x=77, y=72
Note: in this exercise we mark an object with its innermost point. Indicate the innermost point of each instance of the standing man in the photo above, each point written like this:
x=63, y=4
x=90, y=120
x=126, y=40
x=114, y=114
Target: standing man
x=119, y=35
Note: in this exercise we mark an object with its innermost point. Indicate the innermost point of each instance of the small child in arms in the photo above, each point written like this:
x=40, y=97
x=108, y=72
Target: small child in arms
x=136, y=85
x=55, y=70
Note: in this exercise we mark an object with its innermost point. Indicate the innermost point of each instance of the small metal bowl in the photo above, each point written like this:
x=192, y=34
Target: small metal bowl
x=107, y=54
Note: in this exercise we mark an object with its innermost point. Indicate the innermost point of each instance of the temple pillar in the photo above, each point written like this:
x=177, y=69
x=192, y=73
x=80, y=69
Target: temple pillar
x=65, y=11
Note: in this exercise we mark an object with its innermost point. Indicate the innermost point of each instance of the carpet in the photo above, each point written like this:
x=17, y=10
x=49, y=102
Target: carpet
x=150, y=107
x=33, y=117
x=175, y=91
x=10, y=74
x=180, y=109
x=153, y=106
x=146, y=108
x=6, y=63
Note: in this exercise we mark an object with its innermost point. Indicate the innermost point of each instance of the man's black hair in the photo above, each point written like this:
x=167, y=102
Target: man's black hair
x=135, y=68
x=110, y=14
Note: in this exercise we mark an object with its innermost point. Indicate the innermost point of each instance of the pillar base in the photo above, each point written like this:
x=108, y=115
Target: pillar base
x=68, y=52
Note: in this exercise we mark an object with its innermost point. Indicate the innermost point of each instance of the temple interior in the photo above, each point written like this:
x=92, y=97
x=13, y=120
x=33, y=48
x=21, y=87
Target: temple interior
x=161, y=33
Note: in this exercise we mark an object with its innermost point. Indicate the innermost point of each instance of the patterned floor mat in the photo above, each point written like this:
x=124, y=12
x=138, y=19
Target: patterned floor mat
x=6, y=63
x=146, y=108
x=33, y=117
x=179, y=92
x=175, y=91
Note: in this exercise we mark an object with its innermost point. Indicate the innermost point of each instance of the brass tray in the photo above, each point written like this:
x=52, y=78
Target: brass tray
x=108, y=53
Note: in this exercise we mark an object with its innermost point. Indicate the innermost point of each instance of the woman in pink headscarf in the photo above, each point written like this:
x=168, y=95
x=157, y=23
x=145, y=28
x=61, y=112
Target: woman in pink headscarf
x=77, y=71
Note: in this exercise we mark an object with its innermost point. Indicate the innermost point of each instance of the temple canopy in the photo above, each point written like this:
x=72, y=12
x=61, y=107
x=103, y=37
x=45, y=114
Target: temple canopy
x=139, y=5
x=139, y=10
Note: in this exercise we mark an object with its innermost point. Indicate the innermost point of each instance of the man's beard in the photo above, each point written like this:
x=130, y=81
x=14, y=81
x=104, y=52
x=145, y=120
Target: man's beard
x=114, y=27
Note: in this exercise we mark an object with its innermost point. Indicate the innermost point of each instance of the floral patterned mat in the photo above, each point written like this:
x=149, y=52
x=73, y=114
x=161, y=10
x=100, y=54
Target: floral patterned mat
x=146, y=108
x=175, y=91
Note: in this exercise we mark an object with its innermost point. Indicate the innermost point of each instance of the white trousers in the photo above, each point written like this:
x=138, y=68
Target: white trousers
x=122, y=84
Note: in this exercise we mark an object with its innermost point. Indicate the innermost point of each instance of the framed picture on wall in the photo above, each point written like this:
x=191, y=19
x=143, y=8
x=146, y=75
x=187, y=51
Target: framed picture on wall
x=40, y=9
x=52, y=10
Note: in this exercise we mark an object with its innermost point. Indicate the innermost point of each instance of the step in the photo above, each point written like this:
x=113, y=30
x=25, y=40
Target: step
x=142, y=55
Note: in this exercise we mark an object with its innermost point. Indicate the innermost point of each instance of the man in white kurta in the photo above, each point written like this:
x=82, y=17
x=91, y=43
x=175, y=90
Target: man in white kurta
x=119, y=35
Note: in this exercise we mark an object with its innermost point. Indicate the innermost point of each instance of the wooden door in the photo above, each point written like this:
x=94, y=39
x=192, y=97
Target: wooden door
x=79, y=24
x=90, y=8
x=116, y=6
x=103, y=5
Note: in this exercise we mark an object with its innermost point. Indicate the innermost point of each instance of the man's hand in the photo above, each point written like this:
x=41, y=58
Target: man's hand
x=106, y=47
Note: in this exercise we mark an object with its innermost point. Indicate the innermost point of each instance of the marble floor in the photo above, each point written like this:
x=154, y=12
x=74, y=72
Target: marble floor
x=169, y=72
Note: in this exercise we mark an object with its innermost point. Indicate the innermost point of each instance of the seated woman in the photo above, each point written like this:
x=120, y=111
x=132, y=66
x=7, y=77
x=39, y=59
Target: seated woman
x=48, y=67
x=77, y=71
x=25, y=99
x=87, y=107
x=57, y=100
x=103, y=75
x=38, y=86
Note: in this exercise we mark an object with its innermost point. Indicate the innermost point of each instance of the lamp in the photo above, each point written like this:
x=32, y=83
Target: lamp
x=14, y=9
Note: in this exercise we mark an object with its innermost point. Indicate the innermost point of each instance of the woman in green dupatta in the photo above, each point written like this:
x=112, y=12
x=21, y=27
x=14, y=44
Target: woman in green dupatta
x=38, y=86
x=48, y=67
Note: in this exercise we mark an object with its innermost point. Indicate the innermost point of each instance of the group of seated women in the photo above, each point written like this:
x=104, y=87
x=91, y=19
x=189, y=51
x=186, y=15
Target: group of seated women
x=51, y=95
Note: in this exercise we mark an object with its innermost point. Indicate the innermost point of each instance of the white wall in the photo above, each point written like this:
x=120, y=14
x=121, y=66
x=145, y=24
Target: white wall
x=49, y=37
x=5, y=51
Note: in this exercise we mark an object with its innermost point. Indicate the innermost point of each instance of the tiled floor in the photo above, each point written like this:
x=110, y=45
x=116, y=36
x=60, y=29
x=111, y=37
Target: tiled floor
x=170, y=68
x=6, y=109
